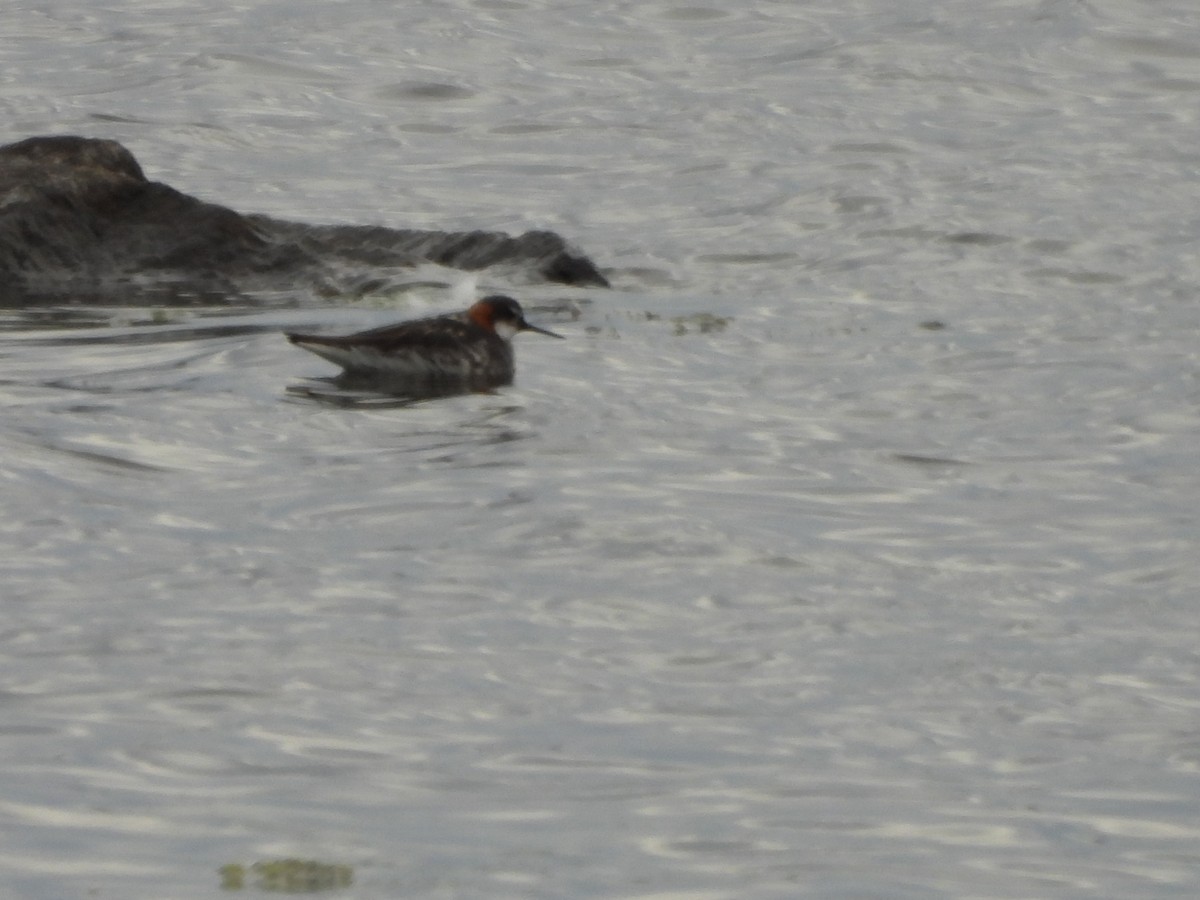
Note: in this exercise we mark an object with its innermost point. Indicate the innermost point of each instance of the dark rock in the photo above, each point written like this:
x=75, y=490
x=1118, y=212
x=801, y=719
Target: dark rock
x=80, y=221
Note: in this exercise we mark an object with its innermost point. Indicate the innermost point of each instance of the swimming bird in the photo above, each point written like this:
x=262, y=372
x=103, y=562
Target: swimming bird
x=468, y=350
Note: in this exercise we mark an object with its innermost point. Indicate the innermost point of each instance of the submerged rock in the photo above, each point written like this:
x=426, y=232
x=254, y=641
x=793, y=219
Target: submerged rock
x=79, y=220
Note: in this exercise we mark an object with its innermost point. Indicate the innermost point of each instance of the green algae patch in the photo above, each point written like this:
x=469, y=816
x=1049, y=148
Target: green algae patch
x=699, y=323
x=286, y=876
x=693, y=323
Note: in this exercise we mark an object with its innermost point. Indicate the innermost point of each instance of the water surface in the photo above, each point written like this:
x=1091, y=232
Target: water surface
x=845, y=549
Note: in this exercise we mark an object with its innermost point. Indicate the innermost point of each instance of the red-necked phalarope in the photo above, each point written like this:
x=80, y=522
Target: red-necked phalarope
x=469, y=349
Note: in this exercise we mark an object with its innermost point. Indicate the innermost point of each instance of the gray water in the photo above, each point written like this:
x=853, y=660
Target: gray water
x=846, y=548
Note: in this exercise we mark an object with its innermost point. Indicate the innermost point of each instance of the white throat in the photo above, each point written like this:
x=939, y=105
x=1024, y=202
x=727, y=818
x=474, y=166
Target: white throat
x=506, y=330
